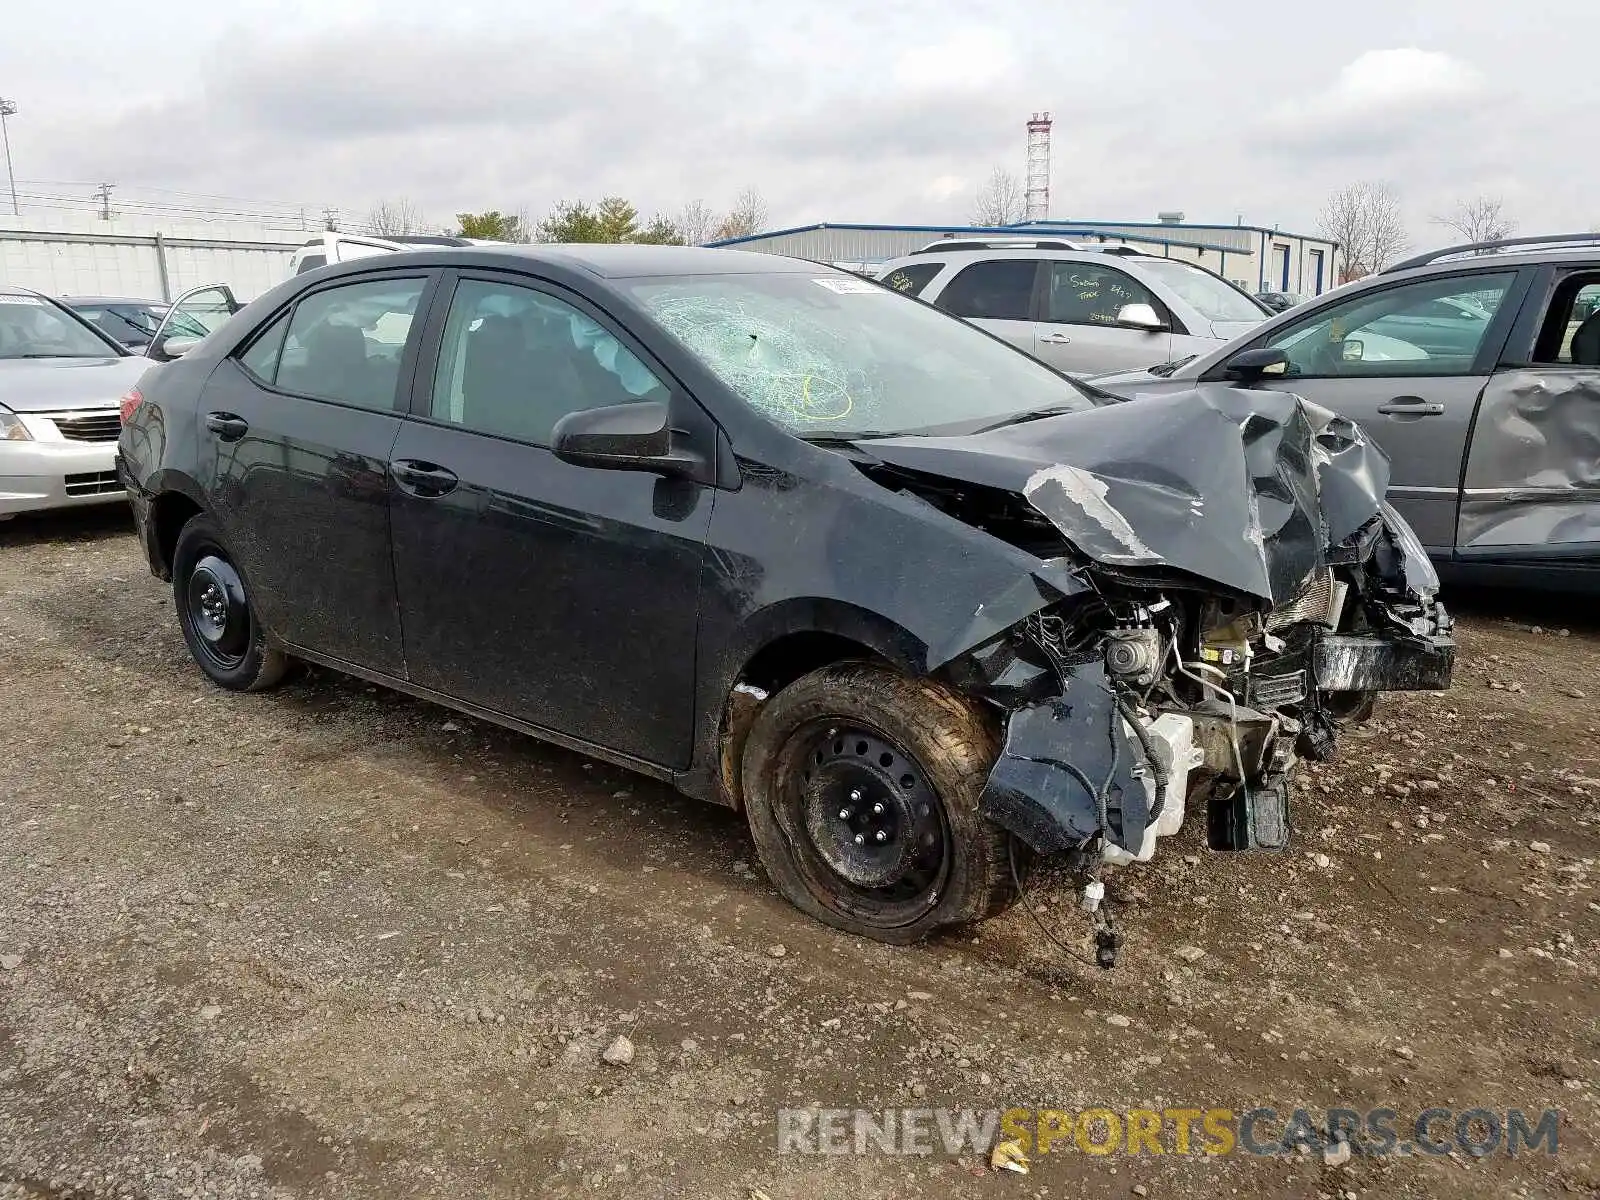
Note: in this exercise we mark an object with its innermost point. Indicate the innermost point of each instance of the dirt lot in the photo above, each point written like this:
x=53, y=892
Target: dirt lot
x=330, y=941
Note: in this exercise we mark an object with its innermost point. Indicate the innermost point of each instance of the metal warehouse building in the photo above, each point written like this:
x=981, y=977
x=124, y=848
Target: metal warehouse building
x=1255, y=258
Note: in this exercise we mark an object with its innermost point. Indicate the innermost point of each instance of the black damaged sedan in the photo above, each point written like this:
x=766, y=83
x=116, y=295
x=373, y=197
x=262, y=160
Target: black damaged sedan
x=921, y=607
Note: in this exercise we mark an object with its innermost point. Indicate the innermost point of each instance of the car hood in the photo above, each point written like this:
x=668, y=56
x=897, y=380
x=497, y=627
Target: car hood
x=1128, y=384
x=1248, y=489
x=1228, y=330
x=52, y=384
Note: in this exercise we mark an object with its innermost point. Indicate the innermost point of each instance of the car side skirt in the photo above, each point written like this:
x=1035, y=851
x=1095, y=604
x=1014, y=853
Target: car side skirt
x=565, y=741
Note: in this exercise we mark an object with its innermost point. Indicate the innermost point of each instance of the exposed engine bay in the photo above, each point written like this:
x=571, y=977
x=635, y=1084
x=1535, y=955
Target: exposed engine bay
x=1128, y=708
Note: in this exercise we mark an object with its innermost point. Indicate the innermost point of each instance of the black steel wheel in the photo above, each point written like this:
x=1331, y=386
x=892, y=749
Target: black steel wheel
x=214, y=612
x=218, y=612
x=861, y=789
x=1350, y=708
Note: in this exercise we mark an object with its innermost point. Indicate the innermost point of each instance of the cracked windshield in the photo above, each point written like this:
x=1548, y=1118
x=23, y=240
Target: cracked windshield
x=832, y=355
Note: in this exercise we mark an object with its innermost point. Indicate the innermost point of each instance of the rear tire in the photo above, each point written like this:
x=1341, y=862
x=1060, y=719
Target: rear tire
x=861, y=788
x=219, y=626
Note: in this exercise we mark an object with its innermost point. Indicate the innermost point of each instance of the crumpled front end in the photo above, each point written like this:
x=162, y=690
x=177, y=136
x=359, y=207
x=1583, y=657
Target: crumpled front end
x=1197, y=672
x=1130, y=709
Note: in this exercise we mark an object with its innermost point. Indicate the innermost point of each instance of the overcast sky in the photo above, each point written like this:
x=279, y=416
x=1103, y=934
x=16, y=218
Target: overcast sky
x=839, y=110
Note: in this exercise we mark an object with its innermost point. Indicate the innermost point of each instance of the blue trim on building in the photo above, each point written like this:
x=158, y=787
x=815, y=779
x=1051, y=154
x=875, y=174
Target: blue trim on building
x=1308, y=237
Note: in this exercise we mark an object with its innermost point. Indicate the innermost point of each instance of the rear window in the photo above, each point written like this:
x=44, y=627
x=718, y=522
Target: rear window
x=311, y=262
x=1213, y=298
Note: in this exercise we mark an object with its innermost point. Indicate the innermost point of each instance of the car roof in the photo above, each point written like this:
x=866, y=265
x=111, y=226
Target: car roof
x=1515, y=252
x=611, y=260
x=1031, y=250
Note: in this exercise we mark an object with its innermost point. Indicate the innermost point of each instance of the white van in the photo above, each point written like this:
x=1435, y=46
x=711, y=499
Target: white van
x=342, y=247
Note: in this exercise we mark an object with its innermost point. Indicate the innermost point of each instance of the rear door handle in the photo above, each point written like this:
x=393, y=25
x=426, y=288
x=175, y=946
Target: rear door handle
x=227, y=426
x=1054, y=339
x=423, y=479
x=1411, y=406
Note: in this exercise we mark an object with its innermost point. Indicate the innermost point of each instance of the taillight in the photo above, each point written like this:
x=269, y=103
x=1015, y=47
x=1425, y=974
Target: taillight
x=131, y=399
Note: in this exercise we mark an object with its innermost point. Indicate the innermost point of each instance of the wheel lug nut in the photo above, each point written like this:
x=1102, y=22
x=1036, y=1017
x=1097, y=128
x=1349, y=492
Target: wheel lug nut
x=844, y=814
x=855, y=795
x=882, y=836
x=860, y=840
x=877, y=810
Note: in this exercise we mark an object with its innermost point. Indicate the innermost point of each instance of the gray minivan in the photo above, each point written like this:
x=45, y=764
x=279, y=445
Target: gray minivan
x=1477, y=369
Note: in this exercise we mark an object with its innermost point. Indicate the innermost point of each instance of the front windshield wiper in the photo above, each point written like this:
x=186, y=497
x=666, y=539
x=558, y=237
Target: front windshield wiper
x=827, y=437
x=1167, y=368
x=1032, y=414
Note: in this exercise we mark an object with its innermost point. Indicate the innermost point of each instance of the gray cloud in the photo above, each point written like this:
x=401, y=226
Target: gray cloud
x=835, y=110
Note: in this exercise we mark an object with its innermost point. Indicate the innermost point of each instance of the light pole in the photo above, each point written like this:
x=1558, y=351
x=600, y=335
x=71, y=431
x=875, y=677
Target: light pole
x=8, y=108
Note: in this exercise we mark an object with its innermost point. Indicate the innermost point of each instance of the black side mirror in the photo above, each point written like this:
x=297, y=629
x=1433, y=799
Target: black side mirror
x=1252, y=366
x=626, y=437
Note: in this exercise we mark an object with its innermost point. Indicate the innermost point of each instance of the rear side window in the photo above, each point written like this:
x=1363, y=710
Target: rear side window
x=999, y=290
x=344, y=344
x=911, y=279
x=1570, y=332
x=311, y=262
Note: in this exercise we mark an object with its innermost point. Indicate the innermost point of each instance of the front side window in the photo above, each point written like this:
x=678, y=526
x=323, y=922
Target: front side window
x=910, y=279
x=345, y=343
x=32, y=327
x=514, y=361
x=1000, y=290
x=1089, y=294
x=827, y=355
x=1388, y=332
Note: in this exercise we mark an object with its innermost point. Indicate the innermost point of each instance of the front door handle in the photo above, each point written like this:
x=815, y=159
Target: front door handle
x=423, y=479
x=1054, y=339
x=1411, y=406
x=226, y=426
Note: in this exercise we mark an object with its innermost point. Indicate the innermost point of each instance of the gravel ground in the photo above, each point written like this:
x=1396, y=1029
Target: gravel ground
x=331, y=941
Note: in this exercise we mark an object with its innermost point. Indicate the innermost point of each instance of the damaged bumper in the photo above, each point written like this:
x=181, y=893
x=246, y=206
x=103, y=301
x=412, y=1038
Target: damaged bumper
x=1369, y=664
x=1169, y=701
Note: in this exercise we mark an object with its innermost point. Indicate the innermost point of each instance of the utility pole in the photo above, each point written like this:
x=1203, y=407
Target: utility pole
x=103, y=194
x=8, y=108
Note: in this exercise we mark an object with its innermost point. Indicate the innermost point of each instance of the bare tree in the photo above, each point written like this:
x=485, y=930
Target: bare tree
x=1483, y=219
x=748, y=216
x=1001, y=201
x=1365, y=219
x=696, y=224
x=396, y=216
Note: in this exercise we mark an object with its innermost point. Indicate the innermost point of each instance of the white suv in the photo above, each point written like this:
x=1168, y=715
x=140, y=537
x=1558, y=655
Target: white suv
x=1082, y=309
x=343, y=247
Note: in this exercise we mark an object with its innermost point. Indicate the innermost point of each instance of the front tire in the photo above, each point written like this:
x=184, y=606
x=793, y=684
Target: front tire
x=861, y=788
x=219, y=626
